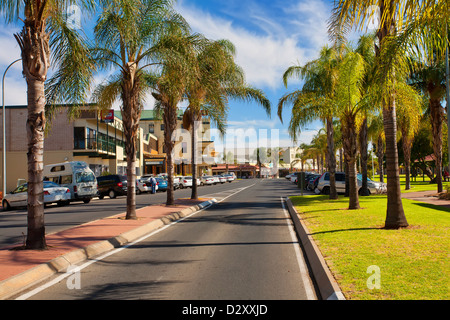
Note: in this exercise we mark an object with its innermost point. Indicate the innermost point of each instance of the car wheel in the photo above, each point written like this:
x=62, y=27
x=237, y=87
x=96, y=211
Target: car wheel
x=112, y=194
x=6, y=206
x=316, y=191
x=138, y=191
x=101, y=197
x=326, y=190
x=87, y=200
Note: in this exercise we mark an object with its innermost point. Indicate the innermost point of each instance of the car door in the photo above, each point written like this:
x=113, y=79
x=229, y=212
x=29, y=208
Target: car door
x=19, y=196
x=340, y=182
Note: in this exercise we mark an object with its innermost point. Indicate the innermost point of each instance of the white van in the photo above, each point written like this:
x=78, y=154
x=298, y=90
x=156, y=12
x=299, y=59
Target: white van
x=75, y=175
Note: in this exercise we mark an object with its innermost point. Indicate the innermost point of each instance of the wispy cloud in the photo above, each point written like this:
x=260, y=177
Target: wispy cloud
x=264, y=56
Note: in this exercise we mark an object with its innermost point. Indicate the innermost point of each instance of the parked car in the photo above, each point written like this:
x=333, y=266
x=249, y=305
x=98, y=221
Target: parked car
x=206, y=180
x=75, y=175
x=288, y=177
x=161, y=184
x=313, y=180
x=53, y=193
x=324, y=184
x=223, y=179
x=294, y=177
x=186, y=182
x=216, y=179
x=230, y=177
x=112, y=185
x=142, y=186
x=176, y=182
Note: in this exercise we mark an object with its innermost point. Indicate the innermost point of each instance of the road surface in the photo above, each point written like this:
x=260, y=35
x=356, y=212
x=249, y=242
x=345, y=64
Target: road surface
x=242, y=248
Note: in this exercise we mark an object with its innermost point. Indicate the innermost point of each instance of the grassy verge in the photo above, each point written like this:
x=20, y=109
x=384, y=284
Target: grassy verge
x=413, y=262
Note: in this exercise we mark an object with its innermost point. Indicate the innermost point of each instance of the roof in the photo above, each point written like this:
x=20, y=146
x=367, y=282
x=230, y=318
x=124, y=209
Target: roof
x=149, y=115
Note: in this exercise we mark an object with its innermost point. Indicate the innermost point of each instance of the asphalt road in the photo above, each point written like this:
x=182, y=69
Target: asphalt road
x=13, y=224
x=242, y=248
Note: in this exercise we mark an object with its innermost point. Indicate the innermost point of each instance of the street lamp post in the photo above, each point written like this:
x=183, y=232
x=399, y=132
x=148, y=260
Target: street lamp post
x=4, y=126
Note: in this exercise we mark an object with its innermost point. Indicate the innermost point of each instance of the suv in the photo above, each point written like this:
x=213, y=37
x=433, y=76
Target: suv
x=324, y=184
x=113, y=185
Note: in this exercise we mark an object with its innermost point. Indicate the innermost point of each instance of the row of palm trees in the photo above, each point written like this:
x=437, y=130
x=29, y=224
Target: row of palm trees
x=375, y=87
x=147, y=48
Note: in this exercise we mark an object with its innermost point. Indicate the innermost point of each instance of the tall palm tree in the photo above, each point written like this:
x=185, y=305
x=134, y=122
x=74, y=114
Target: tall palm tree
x=348, y=13
x=46, y=39
x=349, y=95
x=410, y=111
x=314, y=101
x=218, y=80
x=127, y=35
x=428, y=76
x=179, y=70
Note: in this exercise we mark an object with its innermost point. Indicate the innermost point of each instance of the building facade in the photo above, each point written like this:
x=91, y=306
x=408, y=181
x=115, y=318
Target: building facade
x=97, y=140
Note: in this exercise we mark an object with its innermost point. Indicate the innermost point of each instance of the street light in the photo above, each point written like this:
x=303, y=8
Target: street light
x=4, y=129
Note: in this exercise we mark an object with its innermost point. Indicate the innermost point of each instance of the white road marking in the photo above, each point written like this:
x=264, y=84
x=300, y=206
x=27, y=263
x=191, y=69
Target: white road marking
x=114, y=251
x=300, y=260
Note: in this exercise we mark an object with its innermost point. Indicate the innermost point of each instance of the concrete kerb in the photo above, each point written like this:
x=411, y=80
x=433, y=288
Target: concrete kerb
x=29, y=278
x=327, y=285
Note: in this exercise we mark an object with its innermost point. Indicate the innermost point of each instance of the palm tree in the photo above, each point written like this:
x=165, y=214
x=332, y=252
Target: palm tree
x=428, y=76
x=314, y=101
x=127, y=34
x=410, y=113
x=349, y=13
x=349, y=95
x=45, y=39
x=219, y=79
x=178, y=72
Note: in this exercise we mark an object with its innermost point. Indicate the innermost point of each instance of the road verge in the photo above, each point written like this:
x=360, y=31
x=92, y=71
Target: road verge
x=327, y=285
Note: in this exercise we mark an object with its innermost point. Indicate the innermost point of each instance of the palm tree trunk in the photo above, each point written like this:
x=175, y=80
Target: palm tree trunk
x=35, y=155
x=353, y=202
x=170, y=122
x=395, y=216
x=407, y=144
x=436, y=113
x=194, y=140
x=331, y=159
x=350, y=150
x=380, y=156
x=131, y=180
x=34, y=45
x=364, y=157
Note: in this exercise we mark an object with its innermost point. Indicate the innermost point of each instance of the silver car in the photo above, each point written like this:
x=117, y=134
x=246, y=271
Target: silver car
x=324, y=184
x=53, y=193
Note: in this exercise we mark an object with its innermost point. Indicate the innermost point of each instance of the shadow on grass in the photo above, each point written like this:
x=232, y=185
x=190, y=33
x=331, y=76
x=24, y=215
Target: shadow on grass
x=433, y=206
x=350, y=229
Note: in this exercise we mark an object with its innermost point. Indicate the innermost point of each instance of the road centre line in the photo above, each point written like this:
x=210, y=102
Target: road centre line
x=300, y=260
x=114, y=251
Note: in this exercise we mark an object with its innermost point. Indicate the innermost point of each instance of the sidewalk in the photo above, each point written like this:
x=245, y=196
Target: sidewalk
x=20, y=269
x=430, y=197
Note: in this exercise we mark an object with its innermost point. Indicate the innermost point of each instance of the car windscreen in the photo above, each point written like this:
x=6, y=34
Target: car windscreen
x=84, y=177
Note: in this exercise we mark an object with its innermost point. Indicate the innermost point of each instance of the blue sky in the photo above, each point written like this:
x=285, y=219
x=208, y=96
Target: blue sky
x=269, y=37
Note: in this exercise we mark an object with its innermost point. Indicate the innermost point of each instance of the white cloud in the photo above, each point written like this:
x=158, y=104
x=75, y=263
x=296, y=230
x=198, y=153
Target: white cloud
x=264, y=58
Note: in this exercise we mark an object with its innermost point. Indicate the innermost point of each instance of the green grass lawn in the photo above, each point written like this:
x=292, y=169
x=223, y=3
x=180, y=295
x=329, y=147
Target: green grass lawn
x=420, y=184
x=413, y=262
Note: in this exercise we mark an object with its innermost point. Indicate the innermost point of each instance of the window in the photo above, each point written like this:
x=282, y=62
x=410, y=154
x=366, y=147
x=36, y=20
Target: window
x=66, y=179
x=85, y=177
x=151, y=128
x=58, y=168
x=340, y=177
x=162, y=127
x=79, y=138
